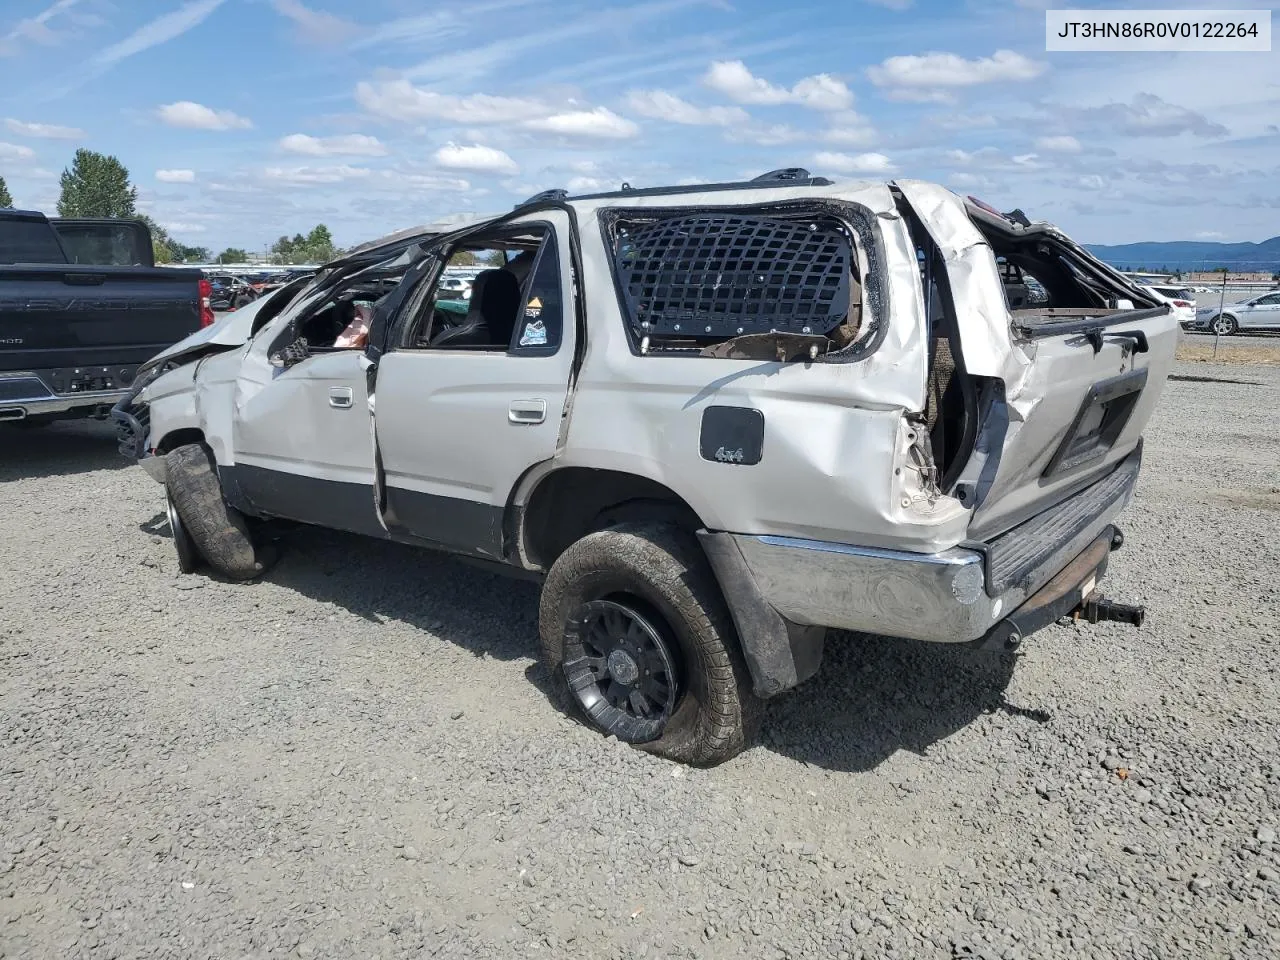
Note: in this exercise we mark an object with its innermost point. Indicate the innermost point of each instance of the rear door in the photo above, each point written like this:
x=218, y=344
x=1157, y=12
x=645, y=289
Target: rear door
x=457, y=426
x=1078, y=389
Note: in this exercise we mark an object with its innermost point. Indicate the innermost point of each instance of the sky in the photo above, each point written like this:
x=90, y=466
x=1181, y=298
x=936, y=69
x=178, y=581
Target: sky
x=244, y=120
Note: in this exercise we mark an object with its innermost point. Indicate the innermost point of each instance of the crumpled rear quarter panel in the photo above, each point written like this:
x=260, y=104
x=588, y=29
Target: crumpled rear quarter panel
x=835, y=458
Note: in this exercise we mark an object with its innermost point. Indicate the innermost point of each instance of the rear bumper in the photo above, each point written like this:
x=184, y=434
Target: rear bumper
x=25, y=394
x=961, y=595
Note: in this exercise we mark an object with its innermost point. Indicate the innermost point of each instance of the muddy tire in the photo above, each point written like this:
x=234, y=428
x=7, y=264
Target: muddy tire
x=218, y=531
x=639, y=643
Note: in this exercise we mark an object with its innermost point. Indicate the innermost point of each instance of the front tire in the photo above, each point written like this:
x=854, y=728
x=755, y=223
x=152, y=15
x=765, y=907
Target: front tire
x=188, y=556
x=216, y=529
x=638, y=640
x=1224, y=325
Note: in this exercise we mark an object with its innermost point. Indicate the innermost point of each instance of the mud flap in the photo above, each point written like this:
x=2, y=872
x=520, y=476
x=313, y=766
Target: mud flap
x=779, y=653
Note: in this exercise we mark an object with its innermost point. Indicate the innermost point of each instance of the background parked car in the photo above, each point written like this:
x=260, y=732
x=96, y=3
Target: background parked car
x=1182, y=300
x=1257, y=313
x=230, y=293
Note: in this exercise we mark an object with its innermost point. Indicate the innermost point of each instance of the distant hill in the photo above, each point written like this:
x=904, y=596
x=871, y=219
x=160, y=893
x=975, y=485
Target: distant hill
x=1187, y=255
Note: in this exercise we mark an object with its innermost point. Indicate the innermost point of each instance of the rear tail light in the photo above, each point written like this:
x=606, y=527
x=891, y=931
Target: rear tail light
x=206, y=311
x=1183, y=303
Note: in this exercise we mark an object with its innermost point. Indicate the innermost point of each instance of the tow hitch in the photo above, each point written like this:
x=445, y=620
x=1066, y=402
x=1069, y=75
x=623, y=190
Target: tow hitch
x=1096, y=609
x=1069, y=597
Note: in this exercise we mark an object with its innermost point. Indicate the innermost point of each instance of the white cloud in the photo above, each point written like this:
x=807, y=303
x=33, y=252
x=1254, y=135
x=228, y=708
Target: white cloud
x=850, y=129
x=600, y=123
x=196, y=116
x=481, y=159
x=1210, y=235
x=667, y=106
x=765, y=135
x=1147, y=115
x=176, y=176
x=336, y=173
x=588, y=185
x=347, y=145
x=158, y=31
x=893, y=4
x=1027, y=160
x=315, y=25
x=962, y=121
x=36, y=28
x=822, y=92
x=969, y=181
x=400, y=100
x=13, y=151
x=183, y=226
x=735, y=81
x=46, y=131
x=933, y=76
x=858, y=163
x=1059, y=144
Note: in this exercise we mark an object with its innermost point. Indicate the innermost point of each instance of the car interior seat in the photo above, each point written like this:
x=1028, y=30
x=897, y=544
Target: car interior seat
x=491, y=315
x=520, y=265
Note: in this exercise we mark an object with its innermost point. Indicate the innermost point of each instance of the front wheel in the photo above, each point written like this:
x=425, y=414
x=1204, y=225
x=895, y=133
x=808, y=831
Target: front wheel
x=1224, y=325
x=637, y=638
x=206, y=525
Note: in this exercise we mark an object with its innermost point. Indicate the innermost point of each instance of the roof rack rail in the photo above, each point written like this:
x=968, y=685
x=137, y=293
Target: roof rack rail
x=546, y=196
x=783, y=174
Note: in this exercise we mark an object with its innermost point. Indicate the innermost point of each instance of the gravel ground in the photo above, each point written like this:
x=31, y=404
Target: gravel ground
x=355, y=756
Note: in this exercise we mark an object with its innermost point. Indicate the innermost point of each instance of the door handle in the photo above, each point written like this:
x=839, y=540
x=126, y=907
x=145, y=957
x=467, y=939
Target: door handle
x=527, y=411
x=340, y=397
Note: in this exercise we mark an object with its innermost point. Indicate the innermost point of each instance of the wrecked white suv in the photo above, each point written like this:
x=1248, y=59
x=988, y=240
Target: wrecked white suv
x=715, y=421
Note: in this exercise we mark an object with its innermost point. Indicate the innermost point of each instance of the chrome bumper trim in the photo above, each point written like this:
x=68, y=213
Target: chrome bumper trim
x=940, y=597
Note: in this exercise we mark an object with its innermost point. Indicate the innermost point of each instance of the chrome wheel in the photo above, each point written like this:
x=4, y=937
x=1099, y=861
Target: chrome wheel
x=1223, y=325
x=621, y=668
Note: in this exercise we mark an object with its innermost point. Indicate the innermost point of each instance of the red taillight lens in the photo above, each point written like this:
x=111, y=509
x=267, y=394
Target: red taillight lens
x=206, y=311
x=1183, y=303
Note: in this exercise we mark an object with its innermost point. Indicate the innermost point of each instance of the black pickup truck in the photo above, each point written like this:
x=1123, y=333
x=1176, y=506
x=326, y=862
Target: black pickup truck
x=82, y=304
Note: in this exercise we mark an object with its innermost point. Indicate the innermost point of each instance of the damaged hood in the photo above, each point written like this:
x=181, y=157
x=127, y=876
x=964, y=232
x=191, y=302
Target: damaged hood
x=230, y=330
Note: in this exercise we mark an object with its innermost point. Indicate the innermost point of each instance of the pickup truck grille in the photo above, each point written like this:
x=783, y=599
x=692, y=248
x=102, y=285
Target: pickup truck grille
x=1013, y=555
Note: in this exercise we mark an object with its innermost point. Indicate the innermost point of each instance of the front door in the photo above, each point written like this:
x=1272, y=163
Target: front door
x=1262, y=313
x=466, y=405
x=304, y=442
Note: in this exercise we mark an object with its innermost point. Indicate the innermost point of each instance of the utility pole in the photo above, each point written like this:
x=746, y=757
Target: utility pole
x=1222, y=302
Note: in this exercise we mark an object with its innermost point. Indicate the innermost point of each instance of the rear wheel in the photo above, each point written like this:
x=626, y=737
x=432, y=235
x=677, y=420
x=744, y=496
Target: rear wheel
x=1224, y=325
x=637, y=639
x=215, y=529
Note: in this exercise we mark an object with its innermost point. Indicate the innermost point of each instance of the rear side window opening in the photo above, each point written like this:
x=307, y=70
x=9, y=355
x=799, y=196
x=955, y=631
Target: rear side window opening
x=1043, y=277
x=750, y=284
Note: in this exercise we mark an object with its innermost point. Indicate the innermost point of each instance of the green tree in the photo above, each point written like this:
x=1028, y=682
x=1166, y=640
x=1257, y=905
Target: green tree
x=6, y=198
x=233, y=255
x=315, y=247
x=96, y=185
x=162, y=245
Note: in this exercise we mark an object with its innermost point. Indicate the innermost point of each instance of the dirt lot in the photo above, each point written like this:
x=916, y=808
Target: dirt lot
x=355, y=757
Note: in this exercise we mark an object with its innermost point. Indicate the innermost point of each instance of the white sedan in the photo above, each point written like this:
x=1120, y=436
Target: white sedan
x=1257, y=313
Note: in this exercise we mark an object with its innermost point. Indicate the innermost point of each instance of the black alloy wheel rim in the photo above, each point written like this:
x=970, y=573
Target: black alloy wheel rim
x=188, y=556
x=621, y=668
